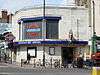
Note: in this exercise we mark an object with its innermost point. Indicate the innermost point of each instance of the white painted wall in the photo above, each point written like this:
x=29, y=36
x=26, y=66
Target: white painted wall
x=97, y=16
x=22, y=53
x=69, y=17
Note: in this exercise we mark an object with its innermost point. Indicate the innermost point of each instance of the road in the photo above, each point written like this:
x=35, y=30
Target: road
x=21, y=71
x=44, y=74
x=12, y=70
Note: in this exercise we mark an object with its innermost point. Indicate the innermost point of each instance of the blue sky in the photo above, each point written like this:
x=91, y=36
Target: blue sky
x=14, y=5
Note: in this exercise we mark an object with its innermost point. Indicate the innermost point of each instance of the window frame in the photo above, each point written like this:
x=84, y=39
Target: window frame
x=35, y=51
x=53, y=49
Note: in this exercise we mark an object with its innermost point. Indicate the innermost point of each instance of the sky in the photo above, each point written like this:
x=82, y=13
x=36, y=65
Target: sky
x=14, y=5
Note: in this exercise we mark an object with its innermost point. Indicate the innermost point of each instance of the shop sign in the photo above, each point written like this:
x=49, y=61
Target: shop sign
x=29, y=42
x=33, y=29
x=45, y=42
x=41, y=42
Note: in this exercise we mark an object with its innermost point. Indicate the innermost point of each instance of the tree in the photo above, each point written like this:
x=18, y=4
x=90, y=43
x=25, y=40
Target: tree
x=2, y=37
x=10, y=45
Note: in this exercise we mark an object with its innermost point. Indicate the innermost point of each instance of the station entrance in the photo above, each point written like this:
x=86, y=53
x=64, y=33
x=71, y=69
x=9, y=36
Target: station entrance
x=67, y=54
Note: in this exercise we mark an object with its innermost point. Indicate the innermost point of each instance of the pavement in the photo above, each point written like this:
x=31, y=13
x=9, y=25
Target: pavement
x=18, y=65
x=59, y=73
x=28, y=66
x=39, y=71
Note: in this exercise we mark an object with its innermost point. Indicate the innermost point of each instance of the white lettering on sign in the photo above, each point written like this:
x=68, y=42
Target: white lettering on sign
x=33, y=30
x=36, y=42
x=30, y=42
x=22, y=42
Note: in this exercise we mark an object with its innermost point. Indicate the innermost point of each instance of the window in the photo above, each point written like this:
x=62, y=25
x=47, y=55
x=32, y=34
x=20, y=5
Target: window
x=32, y=51
x=51, y=50
x=52, y=30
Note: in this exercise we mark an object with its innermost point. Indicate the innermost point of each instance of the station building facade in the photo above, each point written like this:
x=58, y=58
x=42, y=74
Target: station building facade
x=51, y=38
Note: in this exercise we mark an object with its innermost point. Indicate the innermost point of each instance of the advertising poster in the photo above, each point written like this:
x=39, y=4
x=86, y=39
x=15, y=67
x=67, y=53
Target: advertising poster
x=32, y=30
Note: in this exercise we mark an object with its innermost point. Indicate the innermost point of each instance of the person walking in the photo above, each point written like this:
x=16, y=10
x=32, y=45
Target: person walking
x=28, y=58
x=80, y=62
x=5, y=58
x=66, y=63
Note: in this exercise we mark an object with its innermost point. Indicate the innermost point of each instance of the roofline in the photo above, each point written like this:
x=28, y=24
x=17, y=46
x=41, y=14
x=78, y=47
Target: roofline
x=48, y=6
x=32, y=19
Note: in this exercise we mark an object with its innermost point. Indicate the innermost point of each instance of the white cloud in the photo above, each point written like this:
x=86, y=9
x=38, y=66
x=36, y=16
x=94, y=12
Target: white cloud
x=1, y=3
x=68, y=2
x=13, y=5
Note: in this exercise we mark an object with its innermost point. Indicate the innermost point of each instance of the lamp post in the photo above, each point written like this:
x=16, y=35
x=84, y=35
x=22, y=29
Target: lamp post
x=93, y=18
x=94, y=33
x=77, y=29
x=44, y=31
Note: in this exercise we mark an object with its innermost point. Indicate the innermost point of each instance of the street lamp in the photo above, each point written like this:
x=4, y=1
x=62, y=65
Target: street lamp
x=94, y=33
x=44, y=31
x=93, y=18
x=77, y=29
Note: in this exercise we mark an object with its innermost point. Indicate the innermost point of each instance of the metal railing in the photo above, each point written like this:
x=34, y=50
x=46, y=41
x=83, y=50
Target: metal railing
x=51, y=63
x=38, y=63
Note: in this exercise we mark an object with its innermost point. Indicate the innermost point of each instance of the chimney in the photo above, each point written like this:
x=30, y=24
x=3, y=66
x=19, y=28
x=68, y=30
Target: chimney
x=4, y=16
x=9, y=18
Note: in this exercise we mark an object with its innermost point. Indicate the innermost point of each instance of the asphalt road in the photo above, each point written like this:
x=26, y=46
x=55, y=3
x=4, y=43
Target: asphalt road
x=39, y=71
x=61, y=73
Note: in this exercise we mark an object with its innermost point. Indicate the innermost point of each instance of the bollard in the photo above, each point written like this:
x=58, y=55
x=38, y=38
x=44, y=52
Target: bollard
x=51, y=62
x=34, y=63
x=96, y=71
x=59, y=64
x=21, y=62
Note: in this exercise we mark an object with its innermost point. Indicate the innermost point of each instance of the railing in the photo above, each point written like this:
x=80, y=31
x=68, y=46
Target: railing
x=52, y=63
x=38, y=63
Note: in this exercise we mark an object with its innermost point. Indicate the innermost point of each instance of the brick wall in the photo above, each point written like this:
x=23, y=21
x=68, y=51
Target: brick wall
x=5, y=18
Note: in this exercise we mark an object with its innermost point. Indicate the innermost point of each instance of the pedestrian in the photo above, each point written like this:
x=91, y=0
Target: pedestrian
x=66, y=63
x=80, y=62
x=5, y=58
x=28, y=58
x=74, y=63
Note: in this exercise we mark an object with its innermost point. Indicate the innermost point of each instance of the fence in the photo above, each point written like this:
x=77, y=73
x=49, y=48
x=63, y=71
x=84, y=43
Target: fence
x=51, y=63
x=38, y=63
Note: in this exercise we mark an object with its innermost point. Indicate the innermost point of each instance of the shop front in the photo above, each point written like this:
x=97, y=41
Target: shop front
x=53, y=49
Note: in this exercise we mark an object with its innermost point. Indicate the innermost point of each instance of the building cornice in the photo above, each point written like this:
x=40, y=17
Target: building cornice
x=51, y=7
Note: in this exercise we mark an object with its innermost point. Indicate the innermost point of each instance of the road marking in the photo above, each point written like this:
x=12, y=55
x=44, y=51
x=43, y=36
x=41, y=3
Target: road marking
x=3, y=73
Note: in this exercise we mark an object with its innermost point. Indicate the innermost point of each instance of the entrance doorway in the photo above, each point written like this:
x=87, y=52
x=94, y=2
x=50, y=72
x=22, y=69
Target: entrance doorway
x=67, y=55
